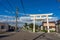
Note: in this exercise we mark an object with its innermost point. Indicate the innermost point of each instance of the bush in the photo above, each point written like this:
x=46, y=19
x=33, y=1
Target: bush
x=44, y=30
x=36, y=30
x=52, y=31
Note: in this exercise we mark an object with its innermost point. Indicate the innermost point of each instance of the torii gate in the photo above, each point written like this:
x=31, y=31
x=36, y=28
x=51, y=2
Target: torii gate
x=40, y=17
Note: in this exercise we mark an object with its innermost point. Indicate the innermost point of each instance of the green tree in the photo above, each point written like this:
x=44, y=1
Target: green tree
x=25, y=25
x=31, y=26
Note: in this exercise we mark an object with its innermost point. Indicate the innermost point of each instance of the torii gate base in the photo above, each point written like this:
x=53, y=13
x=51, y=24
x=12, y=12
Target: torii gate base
x=35, y=16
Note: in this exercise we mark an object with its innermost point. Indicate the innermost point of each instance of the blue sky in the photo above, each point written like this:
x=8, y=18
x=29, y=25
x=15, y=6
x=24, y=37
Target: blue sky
x=8, y=7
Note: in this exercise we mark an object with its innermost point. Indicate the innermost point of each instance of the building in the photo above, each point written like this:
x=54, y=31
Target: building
x=3, y=27
x=52, y=26
x=58, y=26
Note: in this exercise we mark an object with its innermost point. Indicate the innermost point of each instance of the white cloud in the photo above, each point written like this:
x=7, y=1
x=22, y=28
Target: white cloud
x=23, y=20
x=6, y=10
x=27, y=19
x=24, y=14
x=39, y=10
x=13, y=12
x=10, y=12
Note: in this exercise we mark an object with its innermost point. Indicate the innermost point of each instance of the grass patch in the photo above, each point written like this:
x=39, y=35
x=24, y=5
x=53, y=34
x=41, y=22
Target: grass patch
x=44, y=30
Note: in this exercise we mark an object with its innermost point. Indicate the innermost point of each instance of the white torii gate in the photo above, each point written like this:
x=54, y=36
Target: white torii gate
x=33, y=16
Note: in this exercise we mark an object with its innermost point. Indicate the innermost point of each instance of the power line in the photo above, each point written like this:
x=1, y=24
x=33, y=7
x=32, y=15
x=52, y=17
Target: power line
x=10, y=4
x=58, y=0
x=4, y=6
x=22, y=6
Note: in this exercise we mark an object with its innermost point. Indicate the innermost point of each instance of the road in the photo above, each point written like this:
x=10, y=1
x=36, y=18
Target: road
x=25, y=35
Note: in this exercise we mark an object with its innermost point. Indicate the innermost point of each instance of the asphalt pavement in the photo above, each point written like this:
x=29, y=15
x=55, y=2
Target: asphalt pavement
x=25, y=35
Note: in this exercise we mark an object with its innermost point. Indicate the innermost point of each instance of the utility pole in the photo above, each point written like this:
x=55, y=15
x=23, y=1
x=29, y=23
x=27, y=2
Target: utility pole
x=58, y=27
x=16, y=19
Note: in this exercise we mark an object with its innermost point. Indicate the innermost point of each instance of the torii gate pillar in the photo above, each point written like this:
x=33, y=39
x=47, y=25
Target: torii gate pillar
x=47, y=24
x=34, y=25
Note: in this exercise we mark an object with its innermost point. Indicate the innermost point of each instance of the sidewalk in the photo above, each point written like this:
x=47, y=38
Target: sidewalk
x=7, y=34
x=58, y=34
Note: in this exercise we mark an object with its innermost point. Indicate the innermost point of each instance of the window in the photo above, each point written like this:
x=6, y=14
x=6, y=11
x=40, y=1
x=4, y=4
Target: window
x=2, y=27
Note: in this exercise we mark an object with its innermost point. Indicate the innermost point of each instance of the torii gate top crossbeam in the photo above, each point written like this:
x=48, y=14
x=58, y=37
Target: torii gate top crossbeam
x=40, y=14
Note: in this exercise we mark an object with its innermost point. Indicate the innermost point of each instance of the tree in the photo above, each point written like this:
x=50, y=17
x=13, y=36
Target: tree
x=31, y=26
x=25, y=25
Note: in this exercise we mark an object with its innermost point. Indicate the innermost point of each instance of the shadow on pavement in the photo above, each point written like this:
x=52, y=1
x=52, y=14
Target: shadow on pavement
x=41, y=35
x=7, y=35
x=4, y=36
